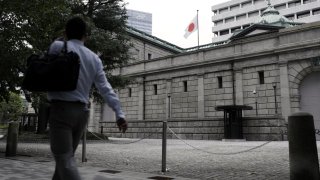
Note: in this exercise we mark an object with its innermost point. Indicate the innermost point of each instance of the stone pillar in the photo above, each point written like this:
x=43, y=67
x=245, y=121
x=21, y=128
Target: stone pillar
x=239, y=89
x=200, y=96
x=303, y=155
x=12, y=139
x=141, y=99
x=285, y=91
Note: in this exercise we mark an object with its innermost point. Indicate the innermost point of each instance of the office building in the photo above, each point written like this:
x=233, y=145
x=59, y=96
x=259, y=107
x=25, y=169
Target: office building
x=140, y=20
x=240, y=14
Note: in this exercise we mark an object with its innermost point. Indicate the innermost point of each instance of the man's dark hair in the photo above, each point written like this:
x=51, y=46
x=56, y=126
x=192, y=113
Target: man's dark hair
x=76, y=28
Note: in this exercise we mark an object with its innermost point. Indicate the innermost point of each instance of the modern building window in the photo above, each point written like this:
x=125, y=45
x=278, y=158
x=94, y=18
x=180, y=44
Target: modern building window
x=232, y=8
x=220, y=83
x=294, y=3
x=261, y=77
x=185, y=86
x=149, y=56
x=316, y=11
x=224, y=32
x=240, y=17
x=215, y=34
x=223, y=10
x=303, y=14
x=308, y=1
x=280, y=6
x=258, y=1
x=129, y=92
x=235, y=28
x=216, y=23
x=245, y=4
x=155, y=89
x=229, y=20
x=290, y=17
x=253, y=14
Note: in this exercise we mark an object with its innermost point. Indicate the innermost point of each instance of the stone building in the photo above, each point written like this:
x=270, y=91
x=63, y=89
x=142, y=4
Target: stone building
x=263, y=73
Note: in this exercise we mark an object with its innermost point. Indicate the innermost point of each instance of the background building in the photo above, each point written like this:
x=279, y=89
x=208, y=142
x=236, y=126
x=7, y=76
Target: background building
x=239, y=14
x=262, y=74
x=140, y=20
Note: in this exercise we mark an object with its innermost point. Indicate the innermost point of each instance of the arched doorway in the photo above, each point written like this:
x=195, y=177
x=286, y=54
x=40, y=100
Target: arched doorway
x=310, y=97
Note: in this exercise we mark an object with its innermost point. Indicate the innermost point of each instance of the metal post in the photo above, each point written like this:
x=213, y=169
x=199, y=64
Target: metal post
x=256, y=108
x=84, y=144
x=169, y=107
x=101, y=129
x=164, y=147
x=256, y=101
x=303, y=155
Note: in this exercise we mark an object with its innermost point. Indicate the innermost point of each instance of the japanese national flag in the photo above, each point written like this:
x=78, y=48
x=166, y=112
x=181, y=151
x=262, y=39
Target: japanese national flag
x=192, y=27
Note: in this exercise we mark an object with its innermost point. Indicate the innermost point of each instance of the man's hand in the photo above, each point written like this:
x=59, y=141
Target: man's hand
x=122, y=125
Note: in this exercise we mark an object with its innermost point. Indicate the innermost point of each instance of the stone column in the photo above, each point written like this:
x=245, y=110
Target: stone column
x=285, y=91
x=200, y=96
x=239, y=87
x=141, y=101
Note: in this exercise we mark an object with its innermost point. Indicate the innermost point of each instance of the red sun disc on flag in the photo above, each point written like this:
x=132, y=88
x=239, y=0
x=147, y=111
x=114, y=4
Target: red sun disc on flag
x=191, y=27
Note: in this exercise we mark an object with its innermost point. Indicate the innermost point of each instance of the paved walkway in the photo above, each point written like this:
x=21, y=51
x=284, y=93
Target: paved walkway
x=193, y=159
x=30, y=168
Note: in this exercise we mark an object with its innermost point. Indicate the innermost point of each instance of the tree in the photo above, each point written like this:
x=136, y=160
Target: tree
x=25, y=27
x=107, y=19
x=12, y=109
x=30, y=26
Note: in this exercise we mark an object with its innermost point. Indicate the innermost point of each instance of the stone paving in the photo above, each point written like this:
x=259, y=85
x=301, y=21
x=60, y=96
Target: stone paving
x=270, y=161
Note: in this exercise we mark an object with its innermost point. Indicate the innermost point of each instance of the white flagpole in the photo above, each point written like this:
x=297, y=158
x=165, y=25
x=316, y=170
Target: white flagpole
x=198, y=26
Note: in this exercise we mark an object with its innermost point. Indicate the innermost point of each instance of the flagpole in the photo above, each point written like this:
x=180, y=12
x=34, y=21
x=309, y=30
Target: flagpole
x=198, y=26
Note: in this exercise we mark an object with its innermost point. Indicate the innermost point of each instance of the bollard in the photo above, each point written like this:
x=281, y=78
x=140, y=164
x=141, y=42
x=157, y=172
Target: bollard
x=12, y=138
x=101, y=131
x=303, y=154
x=164, y=147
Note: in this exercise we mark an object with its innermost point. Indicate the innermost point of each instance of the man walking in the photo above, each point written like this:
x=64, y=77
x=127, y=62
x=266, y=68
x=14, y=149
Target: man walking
x=69, y=112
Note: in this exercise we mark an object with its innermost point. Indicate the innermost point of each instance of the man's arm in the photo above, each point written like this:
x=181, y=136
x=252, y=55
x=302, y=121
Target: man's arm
x=110, y=96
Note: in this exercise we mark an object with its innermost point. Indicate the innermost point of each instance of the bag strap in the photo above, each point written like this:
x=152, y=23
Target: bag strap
x=64, y=50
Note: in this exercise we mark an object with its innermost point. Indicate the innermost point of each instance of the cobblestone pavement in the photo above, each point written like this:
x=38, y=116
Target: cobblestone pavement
x=196, y=159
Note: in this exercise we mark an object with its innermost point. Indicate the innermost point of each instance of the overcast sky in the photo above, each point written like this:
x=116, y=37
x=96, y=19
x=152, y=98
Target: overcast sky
x=171, y=17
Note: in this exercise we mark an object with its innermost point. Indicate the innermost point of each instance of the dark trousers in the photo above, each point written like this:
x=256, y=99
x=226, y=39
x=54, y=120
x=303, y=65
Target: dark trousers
x=67, y=122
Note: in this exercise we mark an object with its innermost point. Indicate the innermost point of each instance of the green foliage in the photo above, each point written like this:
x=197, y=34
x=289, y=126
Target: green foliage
x=25, y=27
x=12, y=109
x=29, y=26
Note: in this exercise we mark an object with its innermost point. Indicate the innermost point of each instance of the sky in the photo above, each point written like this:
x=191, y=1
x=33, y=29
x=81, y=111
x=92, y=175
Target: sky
x=170, y=18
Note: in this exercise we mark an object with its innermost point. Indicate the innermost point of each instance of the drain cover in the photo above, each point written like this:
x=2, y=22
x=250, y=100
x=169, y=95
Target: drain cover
x=110, y=171
x=160, y=178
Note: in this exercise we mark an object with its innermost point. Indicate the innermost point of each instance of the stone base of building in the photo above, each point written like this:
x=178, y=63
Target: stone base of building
x=254, y=129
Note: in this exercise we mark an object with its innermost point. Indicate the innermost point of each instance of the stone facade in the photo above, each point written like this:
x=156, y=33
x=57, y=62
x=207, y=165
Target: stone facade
x=186, y=88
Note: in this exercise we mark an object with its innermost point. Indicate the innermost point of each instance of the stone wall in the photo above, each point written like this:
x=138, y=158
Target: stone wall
x=267, y=128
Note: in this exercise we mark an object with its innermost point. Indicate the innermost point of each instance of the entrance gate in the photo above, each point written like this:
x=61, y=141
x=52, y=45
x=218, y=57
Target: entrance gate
x=233, y=120
x=310, y=97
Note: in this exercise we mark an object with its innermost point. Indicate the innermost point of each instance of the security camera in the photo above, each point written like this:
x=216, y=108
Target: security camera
x=254, y=91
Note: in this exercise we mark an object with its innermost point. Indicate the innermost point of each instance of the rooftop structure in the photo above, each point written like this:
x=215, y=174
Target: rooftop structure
x=239, y=14
x=140, y=20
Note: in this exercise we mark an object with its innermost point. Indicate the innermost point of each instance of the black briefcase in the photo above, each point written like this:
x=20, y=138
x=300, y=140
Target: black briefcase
x=52, y=72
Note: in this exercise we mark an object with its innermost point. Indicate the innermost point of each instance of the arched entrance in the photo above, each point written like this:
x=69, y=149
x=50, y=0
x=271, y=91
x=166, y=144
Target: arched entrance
x=310, y=97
